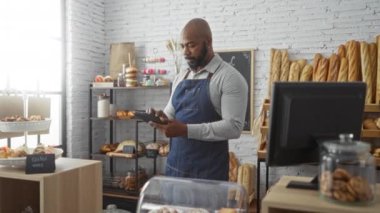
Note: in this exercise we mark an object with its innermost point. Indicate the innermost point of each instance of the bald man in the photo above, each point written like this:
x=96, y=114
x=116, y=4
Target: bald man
x=206, y=108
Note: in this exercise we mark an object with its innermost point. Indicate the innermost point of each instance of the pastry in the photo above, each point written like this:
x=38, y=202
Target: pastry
x=294, y=73
x=378, y=71
x=276, y=67
x=285, y=65
x=4, y=152
x=373, y=65
x=376, y=153
x=307, y=73
x=41, y=149
x=322, y=71
x=369, y=123
x=108, y=79
x=36, y=118
x=140, y=146
x=341, y=51
x=333, y=68
x=227, y=210
x=353, y=55
x=317, y=58
x=366, y=70
x=302, y=63
x=343, y=70
x=270, y=81
x=233, y=167
x=18, y=152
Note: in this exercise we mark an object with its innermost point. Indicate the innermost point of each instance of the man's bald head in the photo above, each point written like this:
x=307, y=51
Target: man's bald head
x=197, y=28
x=196, y=41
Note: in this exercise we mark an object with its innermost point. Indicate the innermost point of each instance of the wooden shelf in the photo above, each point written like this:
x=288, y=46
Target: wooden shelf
x=120, y=193
x=372, y=108
x=368, y=133
x=262, y=154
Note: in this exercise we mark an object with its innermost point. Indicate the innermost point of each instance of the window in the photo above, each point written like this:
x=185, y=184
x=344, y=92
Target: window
x=32, y=58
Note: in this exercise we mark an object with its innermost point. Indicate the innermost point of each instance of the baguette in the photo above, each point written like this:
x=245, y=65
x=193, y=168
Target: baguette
x=317, y=58
x=245, y=177
x=307, y=73
x=373, y=63
x=294, y=73
x=343, y=70
x=272, y=52
x=233, y=164
x=378, y=71
x=285, y=65
x=366, y=70
x=333, y=68
x=353, y=61
x=302, y=63
x=323, y=67
x=276, y=66
x=341, y=51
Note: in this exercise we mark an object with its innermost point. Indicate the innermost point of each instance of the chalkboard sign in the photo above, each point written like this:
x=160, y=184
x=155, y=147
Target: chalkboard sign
x=40, y=163
x=242, y=60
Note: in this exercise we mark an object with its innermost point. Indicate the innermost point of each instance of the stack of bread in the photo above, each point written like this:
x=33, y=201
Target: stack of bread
x=131, y=77
x=353, y=61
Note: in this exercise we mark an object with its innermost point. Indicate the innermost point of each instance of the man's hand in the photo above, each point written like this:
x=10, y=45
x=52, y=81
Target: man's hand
x=158, y=113
x=173, y=128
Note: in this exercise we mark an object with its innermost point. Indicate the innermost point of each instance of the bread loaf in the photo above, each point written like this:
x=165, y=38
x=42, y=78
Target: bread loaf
x=294, y=73
x=333, y=68
x=245, y=178
x=272, y=52
x=306, y=73
x=373, y=65
x=341, y=51
x=366, y=70
x=317, y=58
x=302, y=63
x=353, y=55
x=276, y=66
x=343, y=70
x=323, y=68
x=378, y=71
x=285, y=65
x=234, y=164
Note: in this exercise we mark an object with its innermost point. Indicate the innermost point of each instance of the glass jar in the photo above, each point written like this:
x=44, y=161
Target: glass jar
x=130, y=183
x=103, y=106
x=347, y=171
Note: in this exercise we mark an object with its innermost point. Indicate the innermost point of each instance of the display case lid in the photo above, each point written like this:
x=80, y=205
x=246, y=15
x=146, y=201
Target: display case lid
x=185, y=195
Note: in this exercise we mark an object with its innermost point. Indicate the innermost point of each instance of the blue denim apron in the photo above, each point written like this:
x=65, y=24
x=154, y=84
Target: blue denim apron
x=194, y=158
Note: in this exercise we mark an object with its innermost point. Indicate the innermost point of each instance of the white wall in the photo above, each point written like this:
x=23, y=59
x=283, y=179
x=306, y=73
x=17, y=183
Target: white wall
x=304, y=27
x=85, y=58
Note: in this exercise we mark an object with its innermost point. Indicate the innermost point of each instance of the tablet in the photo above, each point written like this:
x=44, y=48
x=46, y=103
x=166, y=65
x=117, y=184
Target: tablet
x=148, y=117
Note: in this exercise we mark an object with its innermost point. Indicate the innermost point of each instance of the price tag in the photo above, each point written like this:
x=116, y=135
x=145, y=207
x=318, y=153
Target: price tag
x=129, y=149
x=40, y=163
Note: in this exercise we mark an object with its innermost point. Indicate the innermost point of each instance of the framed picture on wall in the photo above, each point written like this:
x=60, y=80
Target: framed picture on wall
x=243, y=61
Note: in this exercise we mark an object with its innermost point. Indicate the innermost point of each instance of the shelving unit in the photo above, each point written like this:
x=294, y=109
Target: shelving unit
x=109, y=191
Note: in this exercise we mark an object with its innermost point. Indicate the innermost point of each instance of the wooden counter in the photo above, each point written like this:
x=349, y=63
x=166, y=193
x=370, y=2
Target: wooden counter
x=75, y=186
x=281, y=199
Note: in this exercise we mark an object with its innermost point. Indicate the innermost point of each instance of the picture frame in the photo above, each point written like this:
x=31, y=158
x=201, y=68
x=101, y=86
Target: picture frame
x=243, y=61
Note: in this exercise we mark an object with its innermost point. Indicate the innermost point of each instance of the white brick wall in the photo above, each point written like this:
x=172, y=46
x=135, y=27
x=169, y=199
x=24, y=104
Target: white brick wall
x=304, y=27
x=85, y=59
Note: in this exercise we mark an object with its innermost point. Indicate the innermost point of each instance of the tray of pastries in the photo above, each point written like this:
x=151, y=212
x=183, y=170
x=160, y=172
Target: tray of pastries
x=18, y=123
x=17, y=156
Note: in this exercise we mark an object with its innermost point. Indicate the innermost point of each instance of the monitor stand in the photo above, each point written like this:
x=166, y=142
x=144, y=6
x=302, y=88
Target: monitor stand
x=312, y=185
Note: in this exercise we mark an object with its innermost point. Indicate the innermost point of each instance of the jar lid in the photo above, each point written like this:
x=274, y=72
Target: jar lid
x=103, y=96
x=346, y=144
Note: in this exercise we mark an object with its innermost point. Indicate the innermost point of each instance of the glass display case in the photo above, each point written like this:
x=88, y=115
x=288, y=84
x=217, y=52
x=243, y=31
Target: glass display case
x=184, y=195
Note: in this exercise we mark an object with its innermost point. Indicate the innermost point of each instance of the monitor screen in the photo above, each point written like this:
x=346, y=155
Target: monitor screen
x=304, y=114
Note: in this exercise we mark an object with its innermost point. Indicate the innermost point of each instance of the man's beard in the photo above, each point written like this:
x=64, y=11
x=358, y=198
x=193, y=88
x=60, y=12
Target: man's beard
x=194, y=63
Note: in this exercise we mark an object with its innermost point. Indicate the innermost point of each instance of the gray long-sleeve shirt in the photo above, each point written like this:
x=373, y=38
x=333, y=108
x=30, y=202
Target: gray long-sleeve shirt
x=229, y=95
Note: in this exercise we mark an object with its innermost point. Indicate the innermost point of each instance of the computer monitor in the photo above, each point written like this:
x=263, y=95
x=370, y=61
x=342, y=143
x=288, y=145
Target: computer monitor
x=302, y=115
